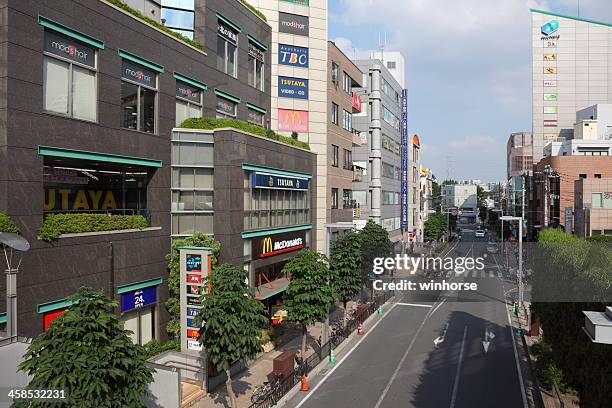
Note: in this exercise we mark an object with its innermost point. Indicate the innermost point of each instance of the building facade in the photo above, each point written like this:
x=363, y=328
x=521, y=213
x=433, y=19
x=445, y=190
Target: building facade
x=593, y=207
x=519, y=154
x=299, y=82
x=394, y=61
x=602, y=113
x=461, y=197
x=571, y=64
x=104, y=146
x=378, y=193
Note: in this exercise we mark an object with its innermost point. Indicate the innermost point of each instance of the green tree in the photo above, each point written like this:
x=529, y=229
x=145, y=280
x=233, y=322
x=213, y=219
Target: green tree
x=435, y=226
x=309, y=295
x=173, y=304
x=7, y=225
x=345, y=267
x=375, y=243
x=87, y=352
x=233, y=321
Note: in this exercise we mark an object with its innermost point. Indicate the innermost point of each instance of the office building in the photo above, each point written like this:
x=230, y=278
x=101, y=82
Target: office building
x=461, y=197
x=519, y=154
x=571, y=66
x=602, y=113
x=299, y=83
x=394, y=62
x=426, y=197
x=593, y=207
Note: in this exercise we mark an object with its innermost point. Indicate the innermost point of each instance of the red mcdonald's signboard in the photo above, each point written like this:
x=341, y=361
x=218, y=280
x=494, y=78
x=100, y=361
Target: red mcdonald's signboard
x=292, y=120
x=356, y=102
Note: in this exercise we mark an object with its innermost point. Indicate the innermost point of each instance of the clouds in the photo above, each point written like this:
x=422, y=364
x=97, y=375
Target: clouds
x=475, y=142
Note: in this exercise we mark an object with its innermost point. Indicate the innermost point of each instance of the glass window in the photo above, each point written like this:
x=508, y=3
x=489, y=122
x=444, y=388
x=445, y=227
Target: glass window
x=347, y=198
x=348, y=160
x=334, y=72
x=334, y=198
x=256, y=67
x=335, y=156
x=56, y=80
x=129, y=105
x=347, y=83
x=390, y=118
x=596, y=200
x=226, y=108
x=334, y=113
x=227, y=41
x=138, y=97
x=607, y=200
x=347, y=123
x=188, y=102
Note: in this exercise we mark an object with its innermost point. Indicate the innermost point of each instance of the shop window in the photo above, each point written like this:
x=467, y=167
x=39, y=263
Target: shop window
x=226, y=108
x=69, y=77
x=188, y=102
x=256, y=66
x=138, y=97
x=227, y=50
x=257, y=118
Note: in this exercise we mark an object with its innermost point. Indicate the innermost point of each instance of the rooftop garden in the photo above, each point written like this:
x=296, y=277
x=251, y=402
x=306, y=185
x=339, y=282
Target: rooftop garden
x=55, y=225
x=7, y=225
x=214, y=123
x=254, y=10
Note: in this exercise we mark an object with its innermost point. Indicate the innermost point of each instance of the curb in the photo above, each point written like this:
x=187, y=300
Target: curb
x=316, y=370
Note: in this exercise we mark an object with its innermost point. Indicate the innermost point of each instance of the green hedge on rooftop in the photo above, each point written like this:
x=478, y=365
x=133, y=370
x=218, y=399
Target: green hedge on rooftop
x=7, y=225
x=55, y=225
x=217, y=123
x=254, y=10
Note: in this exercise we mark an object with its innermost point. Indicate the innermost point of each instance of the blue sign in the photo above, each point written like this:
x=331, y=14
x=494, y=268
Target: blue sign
x=263, y=180
x=293, y=55
x=138, y=298
x=296, y=88
x=404, y=220
x=192, y=311
x=550, y=27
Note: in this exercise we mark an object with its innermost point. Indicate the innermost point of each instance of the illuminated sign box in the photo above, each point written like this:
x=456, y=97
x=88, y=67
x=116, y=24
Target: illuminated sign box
x=293, y=24
x=290, y=120
x=272, y=181
x=293, y=55
x=296, y=88
x=275, y=244
x=551, y=109
x=550, y=96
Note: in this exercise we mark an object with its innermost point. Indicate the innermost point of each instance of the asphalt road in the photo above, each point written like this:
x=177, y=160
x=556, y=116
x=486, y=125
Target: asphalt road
x=400, y=365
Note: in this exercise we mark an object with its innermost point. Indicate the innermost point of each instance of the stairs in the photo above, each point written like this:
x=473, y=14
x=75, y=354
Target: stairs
x=191, y=394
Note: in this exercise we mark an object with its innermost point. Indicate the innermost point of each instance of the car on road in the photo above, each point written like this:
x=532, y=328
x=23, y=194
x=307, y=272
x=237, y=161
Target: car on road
x=492, y=248
x=480, y=233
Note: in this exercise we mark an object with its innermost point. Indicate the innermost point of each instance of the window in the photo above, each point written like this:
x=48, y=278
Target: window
x=582, y=176
x=256, y=117
x=227, y=49
x=391, y=64
x=256, y=66
x=347, y=198
x=414, y=195
x=348, y=160
x=226, y=108
x=347, y=123
x=335, y=156
x=390, y=118
x=415, y=153
x=334, y=72
x=138, y=97
x=69, y=78
x=188, y=102
x=178, y=15
x=390, y=198
x=334, y=198
x=334, y=113
x=347, y=83
x=597, y=176
x=141, y=322
x=391, y=93
x=388, y=170
x=415, y=174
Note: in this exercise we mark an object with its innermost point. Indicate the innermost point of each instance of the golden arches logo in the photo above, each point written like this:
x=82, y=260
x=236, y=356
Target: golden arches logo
x=293, y=114
x=266, y=247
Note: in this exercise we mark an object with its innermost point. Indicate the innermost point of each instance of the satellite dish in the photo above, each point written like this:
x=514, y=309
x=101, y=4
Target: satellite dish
x=14, y=241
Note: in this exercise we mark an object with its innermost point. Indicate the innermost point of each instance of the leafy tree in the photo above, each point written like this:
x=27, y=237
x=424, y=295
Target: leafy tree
x=7, y=225
x=345, y=267
x=173, y=304
x=309, y=295
x=435, y=226
x=87, y=352
x=375, y=243
x=233, y=321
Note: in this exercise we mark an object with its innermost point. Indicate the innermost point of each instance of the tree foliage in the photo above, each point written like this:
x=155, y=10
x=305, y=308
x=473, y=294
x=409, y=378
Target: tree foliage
x=87, y=352
x=7, y=225
x=375, y=243
x=345, y=265
x=173, y=304
x=435, y=226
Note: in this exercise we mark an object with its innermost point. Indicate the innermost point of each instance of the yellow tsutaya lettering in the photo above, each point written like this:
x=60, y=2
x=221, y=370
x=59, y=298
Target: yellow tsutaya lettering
x=80, y=201
x=64, y=195
x=95, y=198
x=109, y=201
x=50, y=200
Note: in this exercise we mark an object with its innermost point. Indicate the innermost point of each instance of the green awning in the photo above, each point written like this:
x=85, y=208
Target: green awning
x=139, y=60
x=53, y=305
x=272, y=170
x=229, y=22
x=70, y=32
x=96, y=156
x=190, y=81
x=257, y=43
x=140, y=285
x=227, y=96
x=280, y=230
x=256, y=108
x=270, y=289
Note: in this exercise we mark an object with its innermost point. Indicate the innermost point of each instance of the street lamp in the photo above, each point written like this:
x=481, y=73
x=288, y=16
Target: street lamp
x=520, y=271
x=10, y=242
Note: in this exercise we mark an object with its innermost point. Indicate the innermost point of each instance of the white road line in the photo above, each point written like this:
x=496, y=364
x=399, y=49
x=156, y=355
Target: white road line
x=437, y=307
x=413, y=304
x=457, y=375
x=330, y=372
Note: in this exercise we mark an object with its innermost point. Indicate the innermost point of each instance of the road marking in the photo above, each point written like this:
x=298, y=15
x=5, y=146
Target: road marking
x=456, y=386
x=316, y=387
x=437, y=307
x=413, y=304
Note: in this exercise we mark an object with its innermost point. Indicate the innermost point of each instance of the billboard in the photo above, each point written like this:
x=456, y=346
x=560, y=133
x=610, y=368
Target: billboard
x=293, y=55
x=275, y=244
x=293, y=24
x=296, y=88
x=276, y=182
x=290, y=120
x=404, y=199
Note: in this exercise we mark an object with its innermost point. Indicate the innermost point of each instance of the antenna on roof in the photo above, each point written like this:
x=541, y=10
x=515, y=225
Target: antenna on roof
x=578, y=8
x=382, y=43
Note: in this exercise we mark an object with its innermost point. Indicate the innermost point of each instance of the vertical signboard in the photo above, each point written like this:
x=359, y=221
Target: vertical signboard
x=195, y=269
x=404, y=214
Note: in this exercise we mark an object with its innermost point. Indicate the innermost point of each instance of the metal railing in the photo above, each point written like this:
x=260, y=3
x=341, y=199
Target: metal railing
x=286, y=384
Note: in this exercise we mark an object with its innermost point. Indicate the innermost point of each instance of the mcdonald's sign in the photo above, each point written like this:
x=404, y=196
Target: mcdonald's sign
x=271, y=245
x=292, y=120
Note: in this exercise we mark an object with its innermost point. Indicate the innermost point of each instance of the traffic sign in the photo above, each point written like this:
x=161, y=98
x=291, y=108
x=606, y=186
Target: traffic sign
x=460, y=212
x=454, y=213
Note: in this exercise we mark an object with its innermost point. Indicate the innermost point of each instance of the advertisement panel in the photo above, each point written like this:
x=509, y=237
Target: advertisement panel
x=551, y=109
x=290, y=120
x=293, y=55
x=404, y=211
x=138, y=298
x=357, y=102
x=550, y=123
x=296, y=88
x=70, y=49
x=273, y=181
x=195, y=266
x=275, y=244
x=137, y=73
x=293, y=24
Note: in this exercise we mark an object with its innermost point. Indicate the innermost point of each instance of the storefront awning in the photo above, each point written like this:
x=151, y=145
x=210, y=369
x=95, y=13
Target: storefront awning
x=272, y=288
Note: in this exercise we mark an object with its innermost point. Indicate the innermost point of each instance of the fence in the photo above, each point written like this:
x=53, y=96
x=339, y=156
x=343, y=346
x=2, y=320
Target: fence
x=314, y=359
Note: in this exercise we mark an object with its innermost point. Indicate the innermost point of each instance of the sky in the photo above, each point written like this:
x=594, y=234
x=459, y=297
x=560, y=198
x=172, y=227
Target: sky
x=468, y=70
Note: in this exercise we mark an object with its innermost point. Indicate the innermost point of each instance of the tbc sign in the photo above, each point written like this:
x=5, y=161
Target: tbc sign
x=292, y=120
x=271, y=245
x=296, y=88
x=293, y=55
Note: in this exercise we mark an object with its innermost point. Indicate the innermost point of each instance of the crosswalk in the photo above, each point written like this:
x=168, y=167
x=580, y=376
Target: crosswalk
x=491, y=273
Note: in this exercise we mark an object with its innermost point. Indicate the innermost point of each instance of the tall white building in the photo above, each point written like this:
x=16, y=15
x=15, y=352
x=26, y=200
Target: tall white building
x=572, y=70
x=394, y=62
x=299, y=83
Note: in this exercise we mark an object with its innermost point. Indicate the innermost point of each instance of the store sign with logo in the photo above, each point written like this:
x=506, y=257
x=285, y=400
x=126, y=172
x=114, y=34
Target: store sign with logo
x=195, y=264
x=272, y=181
x=550, y=123
x=551, y=109
x=191, y=93
x=138, y=298
x=550, y=27
x=137, y=73
x=256, y=52
x=357, y=102
x=271, y=245
x=550, y=83
x=293, y=55
x=550, y=136
x=227, y=33
x=290, y=120
x=225, y=106
x=67, y=48
x=550, y=57
x=296, y=88
x=550, y=96
x=293, y=24
x=550, y=70
x=66, y=199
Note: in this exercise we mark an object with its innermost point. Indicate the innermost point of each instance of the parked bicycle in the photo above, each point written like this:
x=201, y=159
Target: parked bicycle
x=263, y=392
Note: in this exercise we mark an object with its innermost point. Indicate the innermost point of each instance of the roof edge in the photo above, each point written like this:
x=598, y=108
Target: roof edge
x=550, y=13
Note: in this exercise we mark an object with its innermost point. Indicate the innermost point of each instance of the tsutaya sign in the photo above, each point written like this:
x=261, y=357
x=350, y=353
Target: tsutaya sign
x=195, y=268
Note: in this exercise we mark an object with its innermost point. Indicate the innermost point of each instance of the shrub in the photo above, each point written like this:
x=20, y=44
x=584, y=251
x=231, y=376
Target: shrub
x=155, y=347
x=55, y=225
x=7, y=225
x=254, y=10
x=137, y=14
x=216, y=123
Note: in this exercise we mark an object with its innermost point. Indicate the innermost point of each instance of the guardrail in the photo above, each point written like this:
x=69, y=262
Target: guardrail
x=314, y=359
